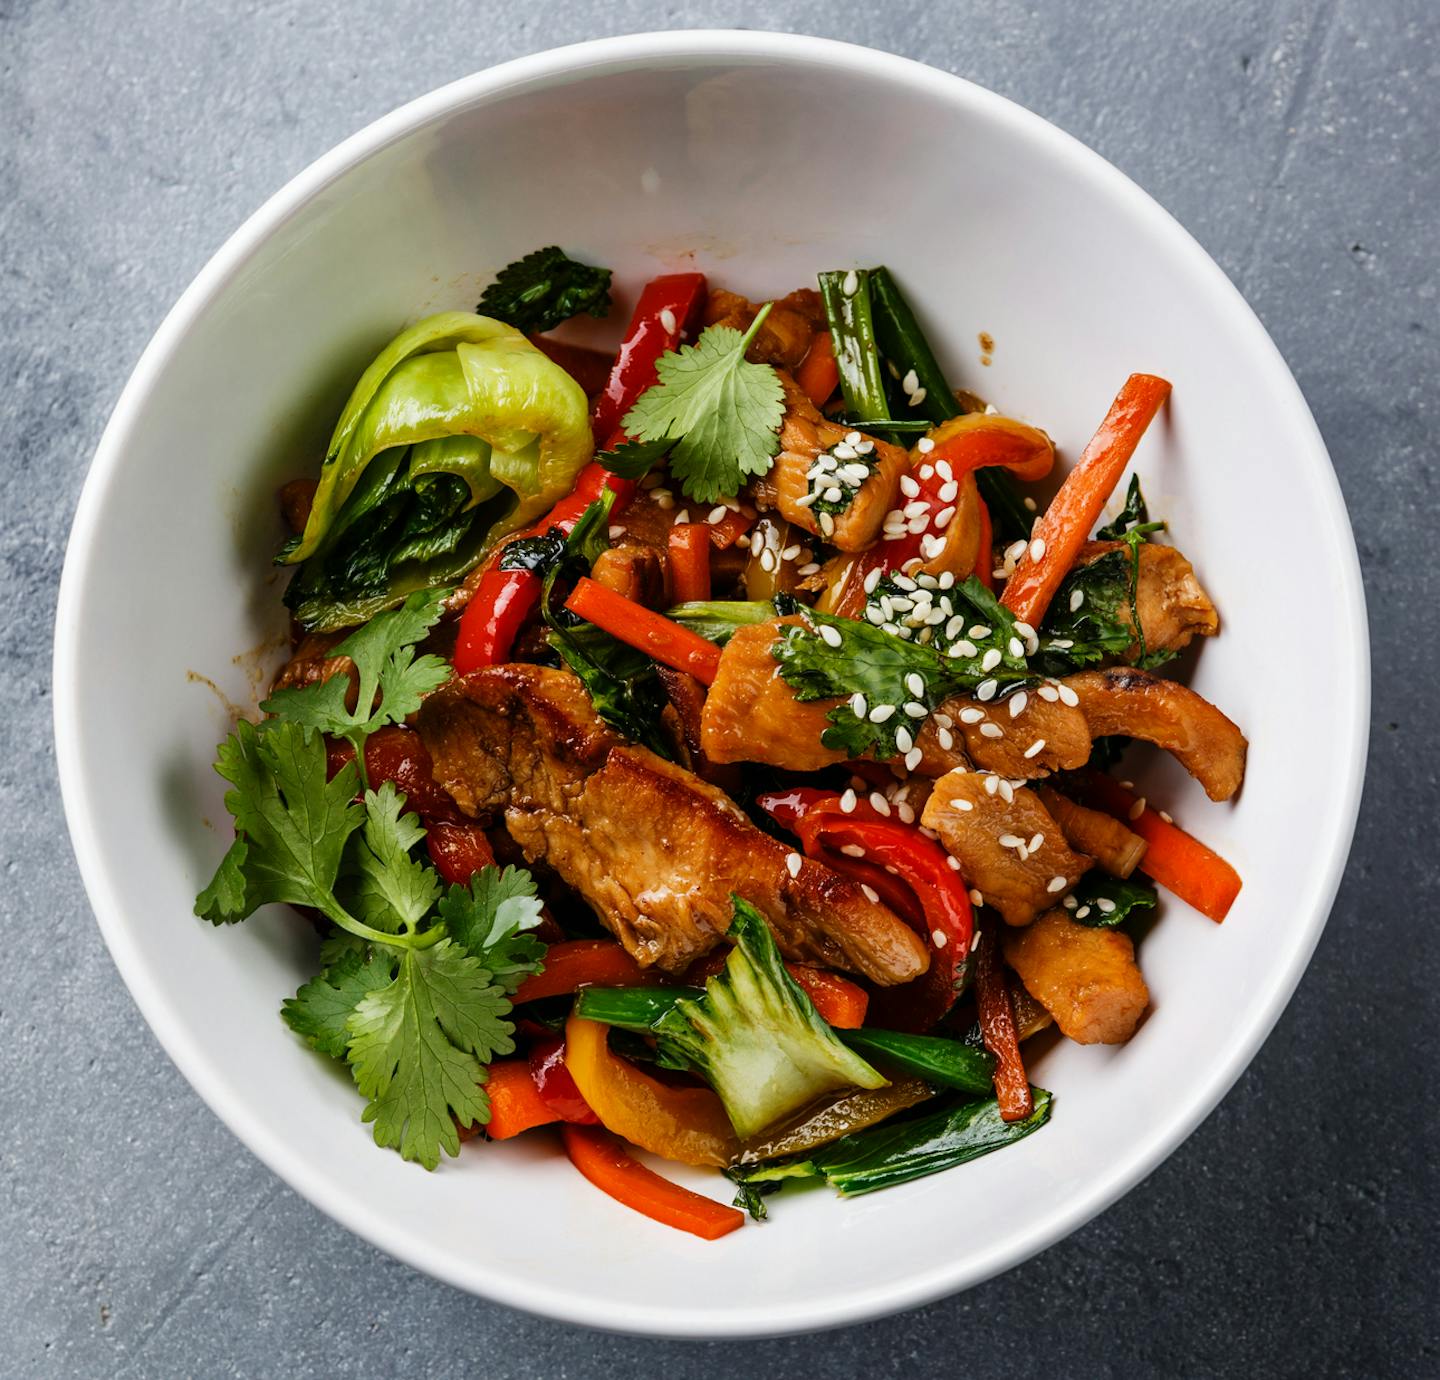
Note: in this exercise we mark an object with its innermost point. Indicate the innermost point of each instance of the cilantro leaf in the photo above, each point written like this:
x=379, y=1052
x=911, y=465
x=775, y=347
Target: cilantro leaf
x=545, y=288
x=489, y=919
x=293, y=823
x=725, y=411
x=385, y=663
x=418, y=1049
x=1102, y=901
x=320, y=1011
x=1133, y=514
x=635, y=459
x=388, y=889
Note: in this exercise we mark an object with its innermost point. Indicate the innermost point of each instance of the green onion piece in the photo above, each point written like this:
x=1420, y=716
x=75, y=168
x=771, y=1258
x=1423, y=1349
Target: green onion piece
x=847, y=306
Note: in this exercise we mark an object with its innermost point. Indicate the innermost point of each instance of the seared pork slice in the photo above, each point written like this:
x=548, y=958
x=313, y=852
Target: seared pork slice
x=785, y=336
x=804, y=436
x=1117, y=849
x=1173, y=605
x=1010, y=851
x=656, y=851
x=751, y=713
x=1133, y=703
x=995, y=739
x=311, y=663
x=634, y=571
x=687, y=699
x=1086, y=978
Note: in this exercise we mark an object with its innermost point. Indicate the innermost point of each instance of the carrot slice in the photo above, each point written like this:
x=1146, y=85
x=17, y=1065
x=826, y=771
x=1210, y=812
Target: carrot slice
x=652, y=633
x=1066, y=524
x=515, y=1101
x=819, y=374
x=602, y=1160
x=579, y=963
x=689, y=549
x=997, y=1028
x=1176, y=860
x=840, y=1002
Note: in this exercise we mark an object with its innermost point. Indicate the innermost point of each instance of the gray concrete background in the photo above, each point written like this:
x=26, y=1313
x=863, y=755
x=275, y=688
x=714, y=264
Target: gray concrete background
x=1293, y=1233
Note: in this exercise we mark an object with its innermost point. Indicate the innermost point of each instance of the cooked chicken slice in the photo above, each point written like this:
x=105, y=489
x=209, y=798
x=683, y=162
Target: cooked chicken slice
x=1086, y=978
x=656, y=851
x=637, y=572
x=1011, y=851
x=1134, y=704
x=804, y=436
x=1117, y=849
x=687, y=700
x=1173, y=606
x=311, y=663
x=995, y=739
x=785, y=336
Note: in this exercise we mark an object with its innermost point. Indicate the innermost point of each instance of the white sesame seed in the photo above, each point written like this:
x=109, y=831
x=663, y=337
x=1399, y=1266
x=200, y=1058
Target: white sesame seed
x=964, y=804
x=1129, y=785
x=792, y=864
x=1048, y=692
x=616, y=533
x=831, y=636
x=1165, y=815
x=949, y=491
x=909, y=487
x=992, y=784
x=1082, y=912
x=925, y=445
x=918, y=523
x=913, y=758
x=790, y=552
x=805, y=500
x=903, y=740
x=915, y=709
x=976, y=899
x=863, y=446
x=946, y=739
x=1007, y=792
x=871, y=894
x=1023, y=852
x=1077, y=597
x=967, y=648
x=858, y=705
x=939, y=938
x=944, y=720
x=931, y=546
x=667, y=320
x=813, y=568
x=980, y=630
x=852, y=850
x=1063, y=643
x=917, y=397
x=1010, y=841
x=664, y=500
x=1105, y=904
x=971, y=715
x=879, y=803
x=767, y=560
x=716, y=514
x=872, y=579
x=910, y=382
x=1016, y=647
x=1018, y=702
x=1030, y=505
x=1068, y=696
x=1035, y=841
x=1037, y=548
x=1070, y=903
x=851, y=284
x=876, y=616
x=843, y=451
x=1015, y=550
x=827, y=524
x=944, y=517
x=991, y=730
x=853, y=438
x=682, y=516
x=991, y=659
x=1055, y=884
x=833, y=494
x=1138, y=808
x=881, y=712
x=1035, y=748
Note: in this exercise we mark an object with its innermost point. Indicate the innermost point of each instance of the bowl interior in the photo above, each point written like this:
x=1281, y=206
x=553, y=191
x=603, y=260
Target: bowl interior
x=761, y=159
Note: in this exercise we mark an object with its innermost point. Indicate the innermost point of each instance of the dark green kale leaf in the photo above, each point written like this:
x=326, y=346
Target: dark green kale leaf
x=1102, y=901
x=543, y=289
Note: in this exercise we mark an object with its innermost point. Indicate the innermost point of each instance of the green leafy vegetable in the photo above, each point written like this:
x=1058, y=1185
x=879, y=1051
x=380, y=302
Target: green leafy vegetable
x=386, y=665
x=725, y=411
x=320, y=1011
x=489, y=921
x=873, y=668
x=720, y=619
x=635, y=459
x=1102, y=901
x=951, y=1063
x=755, y=1036
x=846, y=294
x=543, y=289
x=901, y=1151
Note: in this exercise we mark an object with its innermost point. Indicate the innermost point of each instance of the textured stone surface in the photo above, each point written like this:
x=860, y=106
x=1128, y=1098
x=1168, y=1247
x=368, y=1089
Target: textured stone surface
x=1289, y=1235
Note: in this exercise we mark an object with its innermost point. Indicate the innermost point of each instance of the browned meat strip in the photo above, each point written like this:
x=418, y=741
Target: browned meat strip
x=1173, y=606
x=687, y=699
x=312, y=663
x=804, y=435
x=1086, y=978
x=1117, y=849
x=1133, y=703
x=655, y=850
x=1059, y=728
x=634, y=571
x=992, y=837
x=784, y=337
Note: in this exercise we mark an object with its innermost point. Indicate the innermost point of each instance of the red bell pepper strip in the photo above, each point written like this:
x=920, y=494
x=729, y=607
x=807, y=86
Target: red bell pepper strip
x=819, y=374
x=601, y=1159
x=1066, y=524
x=578, y=963
x=923, y=866
x=515, y=1101
x=553, y=1081
x=1176, y=860
x=997, y=1028
x=458, y=851
x=669, y=307
x=840, y=1002
x=689, y=551
x=652, y=633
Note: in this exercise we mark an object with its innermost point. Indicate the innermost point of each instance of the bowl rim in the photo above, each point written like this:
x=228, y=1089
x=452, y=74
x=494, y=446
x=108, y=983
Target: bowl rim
x=285, y=1159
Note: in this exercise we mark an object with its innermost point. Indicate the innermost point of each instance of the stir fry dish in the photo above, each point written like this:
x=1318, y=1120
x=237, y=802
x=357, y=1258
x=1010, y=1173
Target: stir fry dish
x=711, y=748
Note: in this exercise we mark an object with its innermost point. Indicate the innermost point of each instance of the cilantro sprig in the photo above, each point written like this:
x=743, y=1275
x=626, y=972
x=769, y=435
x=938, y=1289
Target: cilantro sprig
x=416, y=978
x=723, y=411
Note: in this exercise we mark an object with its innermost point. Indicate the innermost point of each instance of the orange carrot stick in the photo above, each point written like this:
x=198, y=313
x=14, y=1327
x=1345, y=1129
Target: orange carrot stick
x=652, y=633
x=602, y=1160
x=689, y=549
x=819, y=374
x=515, y=1101
x=579, y=963
x=1067, y=522
x=1176, y=860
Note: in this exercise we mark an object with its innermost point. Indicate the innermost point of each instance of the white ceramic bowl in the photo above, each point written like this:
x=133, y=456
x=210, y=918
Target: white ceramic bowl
x=762, y=158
